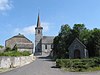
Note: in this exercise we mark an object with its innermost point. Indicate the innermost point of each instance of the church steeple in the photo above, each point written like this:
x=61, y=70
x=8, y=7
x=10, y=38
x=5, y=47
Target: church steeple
x=38, y=21
x=38, y=36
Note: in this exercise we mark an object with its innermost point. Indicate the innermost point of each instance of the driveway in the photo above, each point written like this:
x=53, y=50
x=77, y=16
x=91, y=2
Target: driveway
x=44, y=66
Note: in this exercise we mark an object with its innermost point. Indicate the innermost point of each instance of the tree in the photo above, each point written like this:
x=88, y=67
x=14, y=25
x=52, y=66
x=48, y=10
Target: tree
x=85, y=36
x=93, y=44
x=1, y=46
x=60, y=45
x=81, y=32
x=77, y=29
x=91, y=39
x=96, y=40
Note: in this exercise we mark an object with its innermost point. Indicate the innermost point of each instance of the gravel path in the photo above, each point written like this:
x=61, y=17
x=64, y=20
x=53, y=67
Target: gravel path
x=44, y=66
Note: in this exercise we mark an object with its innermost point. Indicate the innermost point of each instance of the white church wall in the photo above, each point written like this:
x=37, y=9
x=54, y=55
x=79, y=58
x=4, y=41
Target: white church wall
x=48, y=49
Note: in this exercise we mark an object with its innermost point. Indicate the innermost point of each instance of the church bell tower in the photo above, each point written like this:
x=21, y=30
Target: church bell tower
x=38, y=37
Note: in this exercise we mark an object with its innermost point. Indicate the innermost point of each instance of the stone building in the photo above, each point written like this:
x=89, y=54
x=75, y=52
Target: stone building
x=21, y=42
x=77, y=49
x=42, y=43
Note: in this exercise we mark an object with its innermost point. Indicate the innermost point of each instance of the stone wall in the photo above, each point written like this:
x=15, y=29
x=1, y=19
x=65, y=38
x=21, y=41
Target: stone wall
x=11, y=62
x=29, y=50
x=2, y=49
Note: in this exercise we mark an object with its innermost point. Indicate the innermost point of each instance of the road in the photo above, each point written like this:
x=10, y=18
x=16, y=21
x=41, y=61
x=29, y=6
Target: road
x=44, y=66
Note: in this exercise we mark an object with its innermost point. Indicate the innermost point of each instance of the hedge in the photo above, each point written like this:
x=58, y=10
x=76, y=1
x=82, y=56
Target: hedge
x=78, y=64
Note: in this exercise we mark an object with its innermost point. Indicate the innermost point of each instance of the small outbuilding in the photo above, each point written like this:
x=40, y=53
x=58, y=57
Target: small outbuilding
x=77, y=49
x=21, y=42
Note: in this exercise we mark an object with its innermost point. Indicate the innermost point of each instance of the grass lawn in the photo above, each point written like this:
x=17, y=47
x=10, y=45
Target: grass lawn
x=15, y=53
x=5, y=69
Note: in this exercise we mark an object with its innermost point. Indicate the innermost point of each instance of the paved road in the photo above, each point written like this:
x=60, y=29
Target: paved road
x=43, y=66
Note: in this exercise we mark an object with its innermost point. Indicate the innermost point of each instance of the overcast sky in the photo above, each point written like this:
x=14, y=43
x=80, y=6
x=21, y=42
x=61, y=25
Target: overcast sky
x=20, y=16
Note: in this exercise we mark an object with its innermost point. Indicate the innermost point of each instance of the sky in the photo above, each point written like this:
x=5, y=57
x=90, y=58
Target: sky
x=20, y=16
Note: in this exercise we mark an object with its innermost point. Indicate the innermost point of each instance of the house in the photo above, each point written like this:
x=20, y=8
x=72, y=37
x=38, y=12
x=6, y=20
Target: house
x=77, y=49
x=42, y=43
x=21, y=42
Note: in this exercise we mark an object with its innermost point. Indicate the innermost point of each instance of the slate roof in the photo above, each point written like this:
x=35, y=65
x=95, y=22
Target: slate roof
x=47, y=39
x=20, y=36
x=38, y=23
x=20, y=40
x=78, y=42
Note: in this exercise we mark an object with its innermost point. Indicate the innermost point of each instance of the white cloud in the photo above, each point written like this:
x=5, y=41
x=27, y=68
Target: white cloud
x=26, y=30
x=31, y=29
x=5, y=5
x=45, y=26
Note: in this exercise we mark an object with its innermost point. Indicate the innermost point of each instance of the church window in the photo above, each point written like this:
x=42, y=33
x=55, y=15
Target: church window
x=38, y=31
x=45, y=46
x=51, y=46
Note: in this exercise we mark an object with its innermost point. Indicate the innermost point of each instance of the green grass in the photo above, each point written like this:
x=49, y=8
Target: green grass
x=81, y=69
x=5, y=69
x=15, y=53
x=94, y=69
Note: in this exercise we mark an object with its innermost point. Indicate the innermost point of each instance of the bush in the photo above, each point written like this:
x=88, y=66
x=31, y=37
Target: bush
x=8, y=49
x=60, y=63
x=25, y=53
x=15, y=53
x=1, y=46
x=78, y=64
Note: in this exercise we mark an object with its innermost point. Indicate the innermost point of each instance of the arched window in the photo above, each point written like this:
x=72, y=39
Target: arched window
x=38, y=31
x=45, y=46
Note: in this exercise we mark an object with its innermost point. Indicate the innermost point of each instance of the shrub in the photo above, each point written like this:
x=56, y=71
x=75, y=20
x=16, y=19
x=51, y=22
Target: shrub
x=25, y=53
x=8, y=49
x=63, y=63
x=78, y=64
x=58, y=63
x=15, y=53
x=1, y=46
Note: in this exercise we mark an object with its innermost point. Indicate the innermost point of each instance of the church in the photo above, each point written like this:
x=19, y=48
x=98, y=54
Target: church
x=42, y=43
x=45, y=44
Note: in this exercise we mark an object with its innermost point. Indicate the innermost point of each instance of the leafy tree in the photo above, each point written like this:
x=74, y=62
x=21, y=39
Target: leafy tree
x=1, y=46
x=85, y=36
x=91, y=38
x=77, y=29
x=56, y=47
x=94, y=43
x=59, y=49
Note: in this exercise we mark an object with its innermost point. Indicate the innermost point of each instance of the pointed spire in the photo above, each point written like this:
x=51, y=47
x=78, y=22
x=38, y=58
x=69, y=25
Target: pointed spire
x=38, y=21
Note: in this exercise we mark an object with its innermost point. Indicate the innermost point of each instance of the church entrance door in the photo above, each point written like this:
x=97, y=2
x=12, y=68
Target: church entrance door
x=77, y=53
